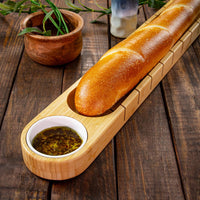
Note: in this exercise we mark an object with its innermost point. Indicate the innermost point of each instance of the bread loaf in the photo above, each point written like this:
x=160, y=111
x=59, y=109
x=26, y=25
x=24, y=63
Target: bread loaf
x=121, y=68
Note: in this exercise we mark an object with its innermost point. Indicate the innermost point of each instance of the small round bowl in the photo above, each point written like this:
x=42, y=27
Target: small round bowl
x=54, y=121
x=53, y=50
x=59, y=167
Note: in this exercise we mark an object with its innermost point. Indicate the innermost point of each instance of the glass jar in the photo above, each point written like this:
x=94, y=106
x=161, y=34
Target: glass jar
x=124, y=17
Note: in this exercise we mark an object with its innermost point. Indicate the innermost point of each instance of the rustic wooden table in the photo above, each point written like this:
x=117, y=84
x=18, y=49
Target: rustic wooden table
x=156, y=155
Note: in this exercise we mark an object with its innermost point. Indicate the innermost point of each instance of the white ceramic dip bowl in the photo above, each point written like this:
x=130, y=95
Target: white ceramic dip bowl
x=56, y=121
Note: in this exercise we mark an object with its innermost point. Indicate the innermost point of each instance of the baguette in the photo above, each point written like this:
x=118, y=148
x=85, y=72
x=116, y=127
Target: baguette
x=121, y=68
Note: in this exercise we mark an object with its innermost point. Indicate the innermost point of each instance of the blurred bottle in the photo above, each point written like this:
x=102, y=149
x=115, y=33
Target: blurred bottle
x=124, y=17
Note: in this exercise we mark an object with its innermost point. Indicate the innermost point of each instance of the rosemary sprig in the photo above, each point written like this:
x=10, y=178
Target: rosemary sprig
x=153, y=3
x=60, y=26
x=82, y=8
x=31, y=29
x=25, y=6
x=30, y=6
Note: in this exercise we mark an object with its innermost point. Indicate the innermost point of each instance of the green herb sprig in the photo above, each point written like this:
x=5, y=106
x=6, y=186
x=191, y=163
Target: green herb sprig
x=27, y=6
x=30, y=6
x=82, y=8
x=60, y=26
x=153, y=3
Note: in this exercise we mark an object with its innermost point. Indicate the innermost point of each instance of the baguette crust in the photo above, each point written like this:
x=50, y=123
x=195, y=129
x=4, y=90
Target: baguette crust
x=121, y=68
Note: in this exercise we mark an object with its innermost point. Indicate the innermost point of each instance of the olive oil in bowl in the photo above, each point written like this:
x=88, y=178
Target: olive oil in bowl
x=56, y=141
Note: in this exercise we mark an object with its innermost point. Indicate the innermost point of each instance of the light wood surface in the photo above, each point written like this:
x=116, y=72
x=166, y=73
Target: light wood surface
x=100, y=129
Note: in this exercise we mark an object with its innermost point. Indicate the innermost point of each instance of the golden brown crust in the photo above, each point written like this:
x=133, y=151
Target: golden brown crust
x=95, y=95
x=123, y=66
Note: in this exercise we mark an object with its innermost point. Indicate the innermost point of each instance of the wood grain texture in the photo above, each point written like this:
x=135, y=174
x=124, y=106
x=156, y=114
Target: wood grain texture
x=131, y=169
x=101, y=173
x=146, y=164
x=144, y=153
x=181, y=88
x=196, y=48
x=98, y=138
x=56, y=50
x=11, y=48
x=150, y=170
x=30, y=93
x=25, y=103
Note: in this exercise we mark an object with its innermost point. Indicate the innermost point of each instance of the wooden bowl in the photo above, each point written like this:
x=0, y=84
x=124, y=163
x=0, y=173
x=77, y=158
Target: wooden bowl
x=53, y=50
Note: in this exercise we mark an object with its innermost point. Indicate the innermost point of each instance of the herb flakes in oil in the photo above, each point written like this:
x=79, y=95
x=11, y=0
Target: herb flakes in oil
x=56, y=141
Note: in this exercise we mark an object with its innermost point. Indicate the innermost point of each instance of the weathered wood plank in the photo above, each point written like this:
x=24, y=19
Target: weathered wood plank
x=146, y=164
x=181, y=88
x=31, y=93
x=97, y=182
x=35, y=86
x=101, y=173
x=145, y=159
x=196, y=46
x=11, y=48
x=17, y=183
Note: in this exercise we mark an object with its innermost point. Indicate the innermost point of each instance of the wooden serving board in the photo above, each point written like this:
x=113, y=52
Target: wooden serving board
x=100, y=129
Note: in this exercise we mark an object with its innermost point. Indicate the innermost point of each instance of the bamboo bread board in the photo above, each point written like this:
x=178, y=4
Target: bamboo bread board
x=103, y=128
